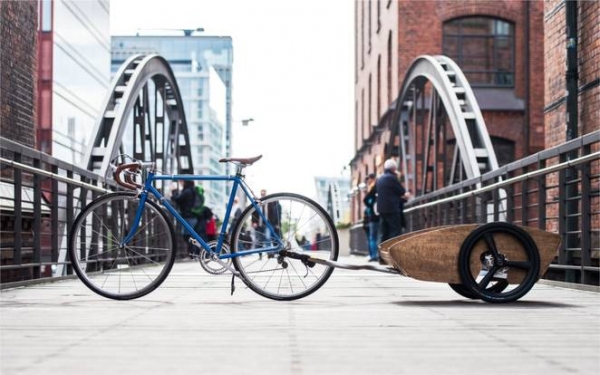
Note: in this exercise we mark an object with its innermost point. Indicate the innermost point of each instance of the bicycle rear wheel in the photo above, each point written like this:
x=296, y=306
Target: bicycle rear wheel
x=297, y=220
x=115, y=271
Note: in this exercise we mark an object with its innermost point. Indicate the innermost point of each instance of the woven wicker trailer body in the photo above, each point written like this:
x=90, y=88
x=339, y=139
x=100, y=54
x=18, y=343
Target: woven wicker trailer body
x=496, y=262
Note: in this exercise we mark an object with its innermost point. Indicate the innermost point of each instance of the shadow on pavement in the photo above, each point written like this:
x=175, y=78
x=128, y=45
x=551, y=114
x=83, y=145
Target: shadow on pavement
x=481, y=304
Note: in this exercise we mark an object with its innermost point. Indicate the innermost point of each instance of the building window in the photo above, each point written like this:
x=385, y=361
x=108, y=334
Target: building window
x=370, y=30
x=46, y=16
x=389, y=68
x=362, y=35
x=378, y=87
x=378, y=16
x=484, y=48
x=369, y=105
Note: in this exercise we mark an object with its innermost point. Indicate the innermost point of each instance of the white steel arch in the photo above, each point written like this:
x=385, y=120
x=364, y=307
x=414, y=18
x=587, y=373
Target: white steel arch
x=143, y=92
x=435, y=92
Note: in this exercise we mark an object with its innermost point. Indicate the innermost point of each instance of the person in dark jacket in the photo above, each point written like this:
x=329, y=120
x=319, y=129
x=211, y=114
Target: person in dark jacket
x=371, y=218
x=390, y=201
x=184, y=199
x=272, y=212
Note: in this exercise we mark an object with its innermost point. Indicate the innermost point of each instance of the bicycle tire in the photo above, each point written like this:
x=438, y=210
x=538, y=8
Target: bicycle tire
x=495, y=241
x=131, y=271
x=275, y=275
x=466, y=292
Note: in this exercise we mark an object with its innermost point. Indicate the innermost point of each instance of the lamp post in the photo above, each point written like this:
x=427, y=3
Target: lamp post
x=246, y=121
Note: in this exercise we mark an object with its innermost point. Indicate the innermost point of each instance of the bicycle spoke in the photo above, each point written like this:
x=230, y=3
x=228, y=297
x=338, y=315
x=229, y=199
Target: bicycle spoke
x=297, y=217
x=488, y=277
x=523, y=265
x=491, y=243
x=112, y=270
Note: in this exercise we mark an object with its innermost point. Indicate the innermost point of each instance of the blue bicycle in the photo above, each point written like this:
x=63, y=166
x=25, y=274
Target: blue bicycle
x=122, y=245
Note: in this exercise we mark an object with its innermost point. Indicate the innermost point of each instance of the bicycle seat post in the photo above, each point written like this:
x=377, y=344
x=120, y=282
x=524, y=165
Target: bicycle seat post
x=239, y=169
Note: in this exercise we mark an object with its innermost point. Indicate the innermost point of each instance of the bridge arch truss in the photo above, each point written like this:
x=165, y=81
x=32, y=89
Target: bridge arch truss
x=437, y=130
x=143, y=116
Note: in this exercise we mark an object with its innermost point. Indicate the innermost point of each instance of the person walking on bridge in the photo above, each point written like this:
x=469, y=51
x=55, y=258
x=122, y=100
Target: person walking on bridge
x=371, y=217
x=390, y=201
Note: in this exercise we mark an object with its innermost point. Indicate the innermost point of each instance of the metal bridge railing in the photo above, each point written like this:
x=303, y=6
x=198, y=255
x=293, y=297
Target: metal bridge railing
x=39, y=199
x=557, y=190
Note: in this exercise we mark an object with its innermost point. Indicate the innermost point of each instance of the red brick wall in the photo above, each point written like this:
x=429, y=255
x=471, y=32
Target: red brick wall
x=589, y=57
x=555, y=66
x=419, y=31
x=588, y=48
x=18, y=64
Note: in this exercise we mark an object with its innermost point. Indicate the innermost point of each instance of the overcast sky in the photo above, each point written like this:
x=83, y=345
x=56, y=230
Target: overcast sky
x=293, y=73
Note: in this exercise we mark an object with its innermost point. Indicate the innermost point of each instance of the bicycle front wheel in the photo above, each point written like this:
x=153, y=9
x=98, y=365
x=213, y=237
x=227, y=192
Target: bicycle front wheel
x=303, y=227
x=118, y=271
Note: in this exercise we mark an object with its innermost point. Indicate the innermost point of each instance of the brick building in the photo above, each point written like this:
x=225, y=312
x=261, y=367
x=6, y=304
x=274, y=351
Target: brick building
x=586, y=74
x=18, y=66
x=18, y=87
x=572, y=107
x=498, y=45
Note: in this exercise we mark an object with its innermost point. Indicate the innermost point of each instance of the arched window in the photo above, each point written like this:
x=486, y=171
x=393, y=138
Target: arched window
x=484, y=48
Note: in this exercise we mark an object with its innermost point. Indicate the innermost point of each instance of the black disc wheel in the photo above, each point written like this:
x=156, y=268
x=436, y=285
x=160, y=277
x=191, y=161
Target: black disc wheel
x=498, y=262
x=278, y=269
x=463, y=291
x=496, y=286
x=110, y=268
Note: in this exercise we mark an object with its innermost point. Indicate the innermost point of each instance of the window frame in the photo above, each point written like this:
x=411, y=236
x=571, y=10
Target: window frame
x=496, y=73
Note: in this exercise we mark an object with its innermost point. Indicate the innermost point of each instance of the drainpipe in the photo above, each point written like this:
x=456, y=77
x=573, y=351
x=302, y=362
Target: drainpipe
x=526, y=43
x=572, y=72
x=571, y=226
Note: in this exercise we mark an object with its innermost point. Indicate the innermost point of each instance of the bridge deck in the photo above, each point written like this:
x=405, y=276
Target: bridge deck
x=360, y=322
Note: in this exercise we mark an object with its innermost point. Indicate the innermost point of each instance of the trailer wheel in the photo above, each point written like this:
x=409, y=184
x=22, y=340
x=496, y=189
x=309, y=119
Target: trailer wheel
x=498, y=262
x=464, y=291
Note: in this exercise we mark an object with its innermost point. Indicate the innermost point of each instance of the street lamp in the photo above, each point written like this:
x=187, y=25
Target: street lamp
x=246, y=121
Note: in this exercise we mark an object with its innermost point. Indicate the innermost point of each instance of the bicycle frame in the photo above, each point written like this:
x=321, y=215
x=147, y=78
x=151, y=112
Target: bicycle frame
x=148, y=188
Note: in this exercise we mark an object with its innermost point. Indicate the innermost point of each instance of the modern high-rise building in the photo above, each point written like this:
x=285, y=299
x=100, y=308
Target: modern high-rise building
x=73, y=74
x=332, y=194
x=203, y=69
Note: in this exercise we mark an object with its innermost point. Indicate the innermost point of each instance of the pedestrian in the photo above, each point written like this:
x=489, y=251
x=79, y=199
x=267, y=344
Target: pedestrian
x=371, y=217
x=390, y=201
x=184, y=198
x=211, y=227
x=236, y=212
x=272, y=211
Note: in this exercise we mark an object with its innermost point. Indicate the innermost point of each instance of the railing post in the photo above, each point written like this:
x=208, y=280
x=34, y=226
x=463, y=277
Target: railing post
x=541, y=180
x=70, y=217
x=37, y=220
x=586, y=218
x=54, y=215
x=510, y=204
x=18, y=224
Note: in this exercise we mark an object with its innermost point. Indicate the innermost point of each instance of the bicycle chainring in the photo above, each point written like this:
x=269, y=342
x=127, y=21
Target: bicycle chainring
x=208, y=264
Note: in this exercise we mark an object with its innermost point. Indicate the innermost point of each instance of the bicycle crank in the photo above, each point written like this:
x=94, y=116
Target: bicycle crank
x=210, y=261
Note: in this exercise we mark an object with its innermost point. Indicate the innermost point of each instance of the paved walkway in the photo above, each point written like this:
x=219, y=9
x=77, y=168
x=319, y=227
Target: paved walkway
x=360, y=322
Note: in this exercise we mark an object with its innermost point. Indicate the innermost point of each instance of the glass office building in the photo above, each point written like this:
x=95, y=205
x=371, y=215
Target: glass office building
x=332, y=194
x=202, y=66
x=76, y=70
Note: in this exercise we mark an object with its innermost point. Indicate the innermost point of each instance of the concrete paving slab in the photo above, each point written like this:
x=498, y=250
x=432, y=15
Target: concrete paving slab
x=360, y=322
